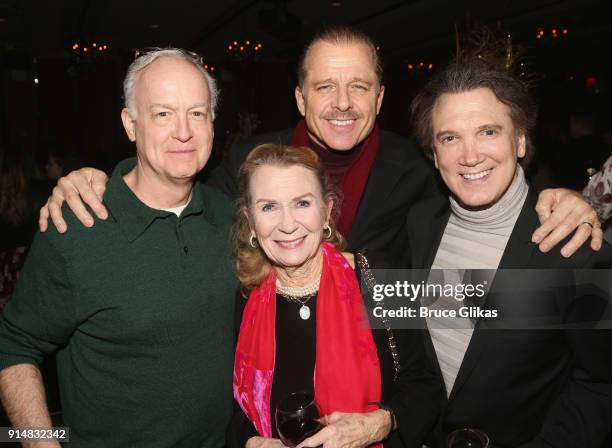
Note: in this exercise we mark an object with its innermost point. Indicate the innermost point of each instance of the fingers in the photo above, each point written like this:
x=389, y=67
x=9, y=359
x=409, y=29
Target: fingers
x=542, y=233
x=85, y=186
x=582, y=234
x=90, y=184
x=73, y=199
x=547, y=201
x=596, y=237
x=263, y=442
x=54, y=204
x=557, y=211
x=43, y=217
x=319, y=438
x=569, y=216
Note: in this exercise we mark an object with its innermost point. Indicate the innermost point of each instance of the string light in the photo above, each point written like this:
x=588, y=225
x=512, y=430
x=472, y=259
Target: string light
x=244, y=49
x=554, y=33
x=421, y=66
x=208, y=67
x=85, y=50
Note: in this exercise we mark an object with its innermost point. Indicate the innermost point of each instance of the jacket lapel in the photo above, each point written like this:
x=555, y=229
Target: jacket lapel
x=383, y=176
x=422, y=254
x=520, y=250
x=430, y=235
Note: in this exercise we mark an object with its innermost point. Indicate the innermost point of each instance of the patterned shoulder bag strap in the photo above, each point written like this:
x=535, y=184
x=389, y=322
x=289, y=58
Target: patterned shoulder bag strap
x=370, y=281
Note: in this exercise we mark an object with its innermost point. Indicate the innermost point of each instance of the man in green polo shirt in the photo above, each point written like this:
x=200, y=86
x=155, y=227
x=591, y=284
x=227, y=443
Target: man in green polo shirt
x=138, y=308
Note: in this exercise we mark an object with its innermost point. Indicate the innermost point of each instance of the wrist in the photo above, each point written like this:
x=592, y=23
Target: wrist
x=382, y=424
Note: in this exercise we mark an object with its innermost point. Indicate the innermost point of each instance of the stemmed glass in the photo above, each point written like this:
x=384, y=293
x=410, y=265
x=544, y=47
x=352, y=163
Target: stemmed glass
x=296, y=418
x=467, y=438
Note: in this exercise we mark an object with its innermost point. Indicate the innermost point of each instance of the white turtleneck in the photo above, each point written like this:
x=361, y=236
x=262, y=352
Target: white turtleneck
x=471, y=240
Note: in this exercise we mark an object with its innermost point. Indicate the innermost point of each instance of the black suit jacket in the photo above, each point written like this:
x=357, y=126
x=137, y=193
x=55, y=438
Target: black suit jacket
x=530, y=387
x=399, y=177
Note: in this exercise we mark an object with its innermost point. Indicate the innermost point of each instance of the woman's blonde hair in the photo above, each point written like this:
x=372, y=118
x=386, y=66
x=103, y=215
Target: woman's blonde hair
x=252, y=265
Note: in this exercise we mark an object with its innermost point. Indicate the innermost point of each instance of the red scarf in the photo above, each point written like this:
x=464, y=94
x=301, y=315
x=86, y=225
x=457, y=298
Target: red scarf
x=355, y=179
x=347, y=369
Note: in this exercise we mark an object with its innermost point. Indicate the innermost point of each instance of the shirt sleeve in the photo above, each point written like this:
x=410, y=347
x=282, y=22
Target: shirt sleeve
x=40, y=317
x=598, y=191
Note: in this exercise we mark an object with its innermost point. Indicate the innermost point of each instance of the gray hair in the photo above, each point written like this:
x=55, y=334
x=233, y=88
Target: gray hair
x=151, y=55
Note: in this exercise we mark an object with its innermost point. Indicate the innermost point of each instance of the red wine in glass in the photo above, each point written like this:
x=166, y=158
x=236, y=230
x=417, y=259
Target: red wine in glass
x=467, y=438
x=296, y=418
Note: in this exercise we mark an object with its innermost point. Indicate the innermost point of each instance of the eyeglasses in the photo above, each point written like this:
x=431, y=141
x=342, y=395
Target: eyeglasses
x=138, y=52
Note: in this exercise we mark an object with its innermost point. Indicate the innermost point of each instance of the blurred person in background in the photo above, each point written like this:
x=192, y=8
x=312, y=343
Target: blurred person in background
x=584, y=152
x=57, y=161
x=20, y=198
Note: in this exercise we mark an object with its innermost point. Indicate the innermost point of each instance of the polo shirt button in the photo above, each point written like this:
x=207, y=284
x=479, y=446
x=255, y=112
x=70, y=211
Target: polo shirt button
x=185, y=249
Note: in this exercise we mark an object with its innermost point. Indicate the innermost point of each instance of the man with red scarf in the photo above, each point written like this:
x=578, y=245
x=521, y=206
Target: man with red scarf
x=378, y=174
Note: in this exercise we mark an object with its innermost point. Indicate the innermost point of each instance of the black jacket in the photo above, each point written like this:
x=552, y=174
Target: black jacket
x=399, y=177
x=530, y=387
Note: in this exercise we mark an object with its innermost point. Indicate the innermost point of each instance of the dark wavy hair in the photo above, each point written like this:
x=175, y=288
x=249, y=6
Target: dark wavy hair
x=486, y=63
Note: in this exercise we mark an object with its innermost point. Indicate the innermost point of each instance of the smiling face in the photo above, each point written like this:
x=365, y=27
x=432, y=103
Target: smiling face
x=287, y=214
x=476, y=146
x=341, y=95
x=173, y=131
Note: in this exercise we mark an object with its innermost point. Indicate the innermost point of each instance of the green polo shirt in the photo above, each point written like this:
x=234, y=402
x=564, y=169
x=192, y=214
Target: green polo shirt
x=139, y=309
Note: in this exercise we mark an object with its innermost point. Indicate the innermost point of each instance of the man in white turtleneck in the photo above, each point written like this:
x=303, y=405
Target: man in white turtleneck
x=525, y=386
x=476, y=152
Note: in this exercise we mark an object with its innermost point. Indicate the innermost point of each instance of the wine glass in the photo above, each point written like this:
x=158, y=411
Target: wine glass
x=296, y=418
x=467, y=438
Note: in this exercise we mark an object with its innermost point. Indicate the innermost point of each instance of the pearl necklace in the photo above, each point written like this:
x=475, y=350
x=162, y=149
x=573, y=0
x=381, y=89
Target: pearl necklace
x=299, y=295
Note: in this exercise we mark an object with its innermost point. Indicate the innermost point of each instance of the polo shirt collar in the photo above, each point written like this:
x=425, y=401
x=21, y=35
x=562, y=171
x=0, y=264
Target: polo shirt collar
x=133, y=216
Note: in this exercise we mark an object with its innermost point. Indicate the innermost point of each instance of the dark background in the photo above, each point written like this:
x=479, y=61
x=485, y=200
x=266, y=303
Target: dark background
x=76, y=101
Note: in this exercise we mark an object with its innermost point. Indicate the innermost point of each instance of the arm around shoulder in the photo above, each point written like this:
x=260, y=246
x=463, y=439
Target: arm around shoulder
x=80, y=187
